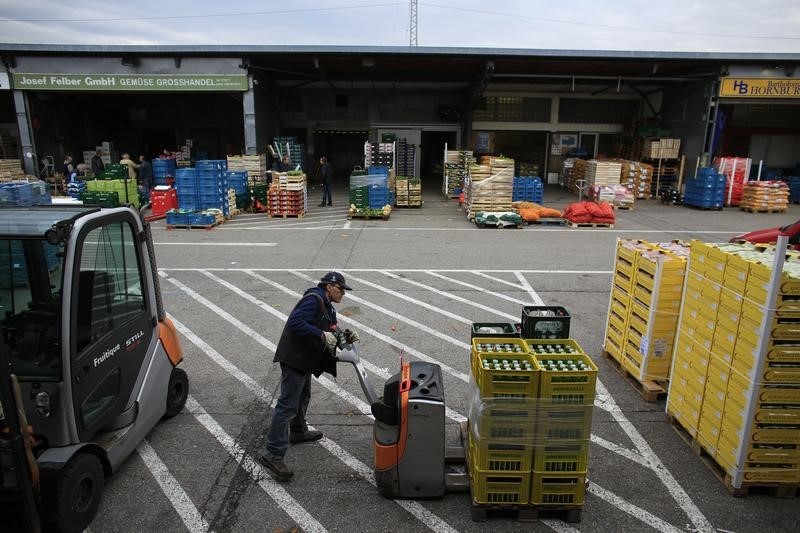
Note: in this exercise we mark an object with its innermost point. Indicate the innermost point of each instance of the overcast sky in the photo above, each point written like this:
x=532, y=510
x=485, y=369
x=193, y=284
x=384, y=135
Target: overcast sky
x=657, y=25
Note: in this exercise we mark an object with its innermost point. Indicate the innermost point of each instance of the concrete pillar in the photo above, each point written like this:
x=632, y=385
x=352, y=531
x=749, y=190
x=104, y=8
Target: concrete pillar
x=249, y=109
x=29, y=158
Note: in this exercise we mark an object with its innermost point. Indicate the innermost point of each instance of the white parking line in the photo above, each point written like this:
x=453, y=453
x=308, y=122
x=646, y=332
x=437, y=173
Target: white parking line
x=248, y=244
x=274, y=489
x=442, y=293
x=420, y=512
x=181, y=502
x=476, y=288
x=327, y=383
x=633, y=510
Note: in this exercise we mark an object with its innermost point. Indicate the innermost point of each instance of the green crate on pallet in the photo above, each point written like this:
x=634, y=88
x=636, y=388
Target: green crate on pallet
x=557, y=489
x=494, y=329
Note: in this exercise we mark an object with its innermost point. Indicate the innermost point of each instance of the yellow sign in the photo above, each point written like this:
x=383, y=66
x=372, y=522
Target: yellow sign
x=760, y=88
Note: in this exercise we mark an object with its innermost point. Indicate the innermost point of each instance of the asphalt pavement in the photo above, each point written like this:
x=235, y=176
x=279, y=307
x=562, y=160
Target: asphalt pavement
x=420, y=279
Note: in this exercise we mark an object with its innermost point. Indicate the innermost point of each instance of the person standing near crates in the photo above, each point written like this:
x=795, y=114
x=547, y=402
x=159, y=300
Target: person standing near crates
x=307, y=346
x=326, y=176
x=145, y=175
x=132, y=167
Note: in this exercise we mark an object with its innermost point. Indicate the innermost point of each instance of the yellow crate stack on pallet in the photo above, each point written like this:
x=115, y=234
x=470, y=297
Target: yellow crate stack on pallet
x=736, y=373
x=644, y=305
x=567, y=382
x=529, y=424
x=502, y=420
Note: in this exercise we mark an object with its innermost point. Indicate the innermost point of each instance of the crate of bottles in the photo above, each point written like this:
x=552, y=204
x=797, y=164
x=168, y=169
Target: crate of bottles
x=567, y=372
x=567, y=456
x=545, y=322
x=502, y=456
x=504, y=330
x=497, y=488
x=503, y=367
x=557, y=489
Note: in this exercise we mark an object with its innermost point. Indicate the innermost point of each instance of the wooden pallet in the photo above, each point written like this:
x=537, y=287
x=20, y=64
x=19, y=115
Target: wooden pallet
x=192, y=226
x=756, y=210
x=351, y=216
x=702, y=207
x=777, y=490
x=286, y=215
x=622, y=207
x=589, y=225
x=481, y=512
x=407, y=205
x=548, y=222
x=650, y=391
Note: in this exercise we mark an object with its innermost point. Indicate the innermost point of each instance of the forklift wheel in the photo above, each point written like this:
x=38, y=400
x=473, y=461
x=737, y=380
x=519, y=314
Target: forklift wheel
x=80, y=487
x=177, y=392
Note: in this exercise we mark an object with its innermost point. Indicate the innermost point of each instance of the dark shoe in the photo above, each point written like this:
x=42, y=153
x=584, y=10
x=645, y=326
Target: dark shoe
x=329, y=204
x=277, y=468
x=322, y=204
x=308, y=436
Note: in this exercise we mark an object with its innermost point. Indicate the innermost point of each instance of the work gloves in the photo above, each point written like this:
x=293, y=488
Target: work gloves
x=330, y=341
x=350, y=336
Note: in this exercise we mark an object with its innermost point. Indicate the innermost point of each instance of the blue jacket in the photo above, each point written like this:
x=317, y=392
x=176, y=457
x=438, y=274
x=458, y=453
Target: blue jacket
x=301, y=345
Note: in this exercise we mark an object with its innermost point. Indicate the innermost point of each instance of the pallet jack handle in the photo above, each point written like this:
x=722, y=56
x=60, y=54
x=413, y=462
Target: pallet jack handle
x=348, y=353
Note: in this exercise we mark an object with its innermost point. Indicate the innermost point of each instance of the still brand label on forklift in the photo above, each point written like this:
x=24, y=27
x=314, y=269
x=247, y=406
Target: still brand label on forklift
x=134, y=341
x=106, y=354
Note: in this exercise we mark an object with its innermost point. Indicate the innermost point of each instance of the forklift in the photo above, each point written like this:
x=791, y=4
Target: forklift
x=88, y=358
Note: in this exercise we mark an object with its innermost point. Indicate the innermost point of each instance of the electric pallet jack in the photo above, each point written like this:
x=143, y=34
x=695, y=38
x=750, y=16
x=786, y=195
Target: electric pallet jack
x=411, y=458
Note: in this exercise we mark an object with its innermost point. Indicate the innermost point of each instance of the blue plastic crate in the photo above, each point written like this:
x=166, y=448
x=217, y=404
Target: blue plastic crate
x=211, y=164
x=200, y=219
x=177, y=219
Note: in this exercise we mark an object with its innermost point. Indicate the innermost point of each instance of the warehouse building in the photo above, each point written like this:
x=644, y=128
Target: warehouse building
x=531, y=105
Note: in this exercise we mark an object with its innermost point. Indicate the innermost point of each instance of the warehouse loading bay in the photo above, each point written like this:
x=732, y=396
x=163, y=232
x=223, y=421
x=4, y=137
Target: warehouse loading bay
x=419, y=279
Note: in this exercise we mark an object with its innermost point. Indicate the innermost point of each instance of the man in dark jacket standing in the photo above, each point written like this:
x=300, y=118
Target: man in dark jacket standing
x=307, y=346
x=145, y=175
x=326, y=175
x=97, y=163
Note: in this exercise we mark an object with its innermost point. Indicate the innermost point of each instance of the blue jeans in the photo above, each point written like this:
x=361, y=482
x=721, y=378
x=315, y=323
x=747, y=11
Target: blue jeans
x=289, y=413
x=326, y=193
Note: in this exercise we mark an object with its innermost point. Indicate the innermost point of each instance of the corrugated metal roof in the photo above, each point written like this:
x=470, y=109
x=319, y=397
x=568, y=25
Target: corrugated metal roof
x=394, y=50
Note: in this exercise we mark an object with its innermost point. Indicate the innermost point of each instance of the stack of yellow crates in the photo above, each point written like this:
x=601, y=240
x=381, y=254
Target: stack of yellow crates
x=567, y=383
x=644, y=306
x=502, y=420
x=530, y=422
x=736, y=377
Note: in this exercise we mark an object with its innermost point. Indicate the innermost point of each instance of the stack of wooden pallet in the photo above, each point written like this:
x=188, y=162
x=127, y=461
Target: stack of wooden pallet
x=765, y=196
x=255, y=165
x=11, y=170
x=408, y=192
x=602, y=172
x=493, y=193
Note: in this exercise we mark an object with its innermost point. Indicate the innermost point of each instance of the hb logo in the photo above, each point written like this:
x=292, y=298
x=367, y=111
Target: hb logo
x=740, y=86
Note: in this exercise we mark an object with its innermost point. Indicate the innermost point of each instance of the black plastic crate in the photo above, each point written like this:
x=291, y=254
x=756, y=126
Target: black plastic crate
x=503, y=330
x=545, y=322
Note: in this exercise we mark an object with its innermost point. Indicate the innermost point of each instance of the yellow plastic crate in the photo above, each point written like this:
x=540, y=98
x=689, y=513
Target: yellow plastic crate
x=760, y=453
x=557, y=422
x=492, y=487
x=500, y=456
x=571, y=387
x=775, y=435
x=561, y=457
x=557, y=489
x=724, y=341
x=613, y=348
x=775, y=473
x=499, y=422
x=509, y=384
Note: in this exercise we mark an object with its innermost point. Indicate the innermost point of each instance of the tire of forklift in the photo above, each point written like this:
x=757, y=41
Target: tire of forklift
x=80, y=488
x=177, y=392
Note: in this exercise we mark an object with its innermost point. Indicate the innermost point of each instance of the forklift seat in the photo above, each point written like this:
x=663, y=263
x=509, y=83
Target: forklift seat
x=95, y=294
